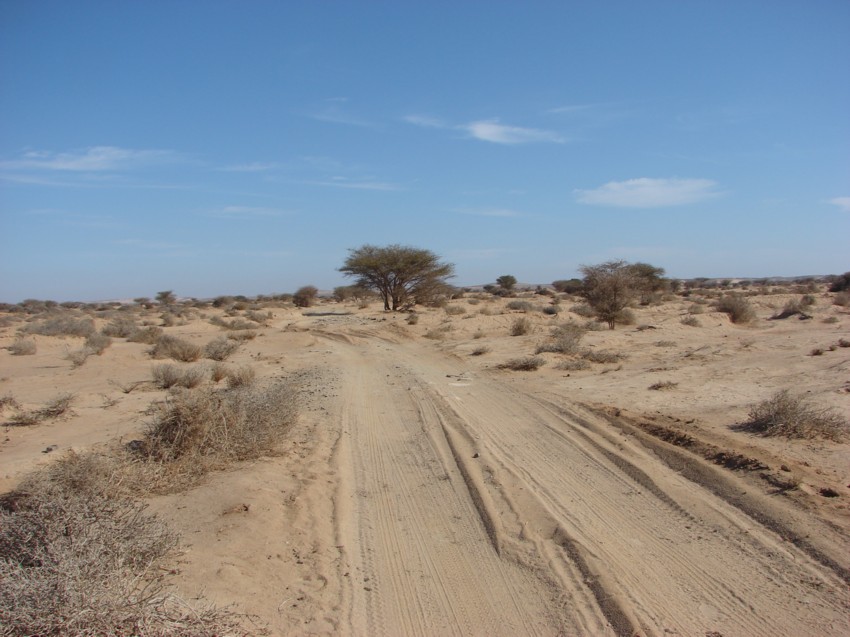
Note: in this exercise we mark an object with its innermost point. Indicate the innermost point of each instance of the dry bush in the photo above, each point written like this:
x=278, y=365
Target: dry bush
x=736, y=307
x=220, y=348
x=147, y=335
x=520, y=306
x=525, y=364
x=77, y=357
x=166, y=376
x=206, y=428
x=247, y=335
x=218, y=372
x=62, y=326
x=697, y=307
x=22, y=347
x=842, y=299
x=551, y=310
x=236, y=324
x=121, y=327
x=572, y=365
x=831, y=320
x=793, y=416
x=412, y=318
x=438, y=333
x=7, y=400
x=259, y=318
x=664, y=384
x=240, y=376
x=602, y=356
x=843, y=342
x=520, y=327
x=479, y=351
x=74, y=561
x=565, y=339
x=690, y=321
x=52, y=409
x=454, y=310
x=179, y=349
x=664, y=343
x=97, y=343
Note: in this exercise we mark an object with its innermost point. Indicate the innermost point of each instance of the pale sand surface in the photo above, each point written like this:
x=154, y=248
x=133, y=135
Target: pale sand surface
x=424, y=491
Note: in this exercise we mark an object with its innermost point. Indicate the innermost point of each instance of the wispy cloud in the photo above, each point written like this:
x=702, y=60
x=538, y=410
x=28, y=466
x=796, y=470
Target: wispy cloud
x=841, y=202
x=569, y=109
x=489, y=212
x=355, y=184
x=93, y=159
x=253, y=167
x=246, y=212
x=649, y=193
x=490, y=130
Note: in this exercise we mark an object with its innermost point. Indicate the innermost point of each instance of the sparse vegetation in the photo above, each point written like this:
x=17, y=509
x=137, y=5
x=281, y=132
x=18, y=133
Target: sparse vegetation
x=690, y=321
x=147, y=335
x=602, y=356
x=51, y=410
x=220, y=348
x=506, y=282
x=610, y=287
x=565, y=339
x=520, y=327
x=525, y=364
x=22, y=347
x=61, y=326
x=793, y=416
x=480, y=351
x=412, y=318
x=663, y=385
x=520, y=306
x=168, y=346
x=572, y=365
x=166, y=376
x=305, y=296
x=736, y=307
x=454, y=310
x=240, y=376
x=121, y=327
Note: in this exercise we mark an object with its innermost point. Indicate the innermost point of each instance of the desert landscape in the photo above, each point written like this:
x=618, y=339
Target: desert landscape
x=486, y=465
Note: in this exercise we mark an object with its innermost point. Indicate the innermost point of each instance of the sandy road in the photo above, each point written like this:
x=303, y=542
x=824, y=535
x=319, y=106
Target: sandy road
x=468, y=507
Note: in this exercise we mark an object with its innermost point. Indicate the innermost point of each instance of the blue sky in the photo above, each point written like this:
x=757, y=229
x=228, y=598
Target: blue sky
x=243, y=147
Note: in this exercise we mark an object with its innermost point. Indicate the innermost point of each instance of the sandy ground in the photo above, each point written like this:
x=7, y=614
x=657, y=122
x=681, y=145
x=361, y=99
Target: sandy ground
x=425, y=491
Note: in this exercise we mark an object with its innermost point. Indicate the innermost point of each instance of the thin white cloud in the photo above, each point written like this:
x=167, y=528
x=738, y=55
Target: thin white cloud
x=425, y=121
x=492, y=131
x=649, y=193
x=355, y=184
x=489, y=212
x=94, y=159
x=243, y=212
x=253, y=167
x=569, y=109
x=841, y=202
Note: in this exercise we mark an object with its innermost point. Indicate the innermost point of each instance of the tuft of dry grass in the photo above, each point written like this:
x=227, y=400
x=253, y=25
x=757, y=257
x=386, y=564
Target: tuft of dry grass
x=166, y=376
x=525, y=364
x=22, y=347
x=179, y=349
x=75, y=561
x=454, y=310
x=121, y=327
x=247, y=335
x=148, y=335
x=602, y=356
x=737, y=308
x=565, y=339
x=520, y=327
x=220, y=348
x=664, y=384
x=572, y=365
x=480, y=351
x=241, y=376
x=520, y=306
x=52, y=409
x=690, y=321
x=793, y=416
x=97, y=343
x=62, y=326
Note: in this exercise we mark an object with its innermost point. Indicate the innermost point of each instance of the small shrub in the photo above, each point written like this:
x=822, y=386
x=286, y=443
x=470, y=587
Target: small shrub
x=218, y=372
x=305, y=296
x=520, y=327
x=572, y=365
x=146, y=335
x=818, y=351
x=240, y=376
x=480, y=351
x=791, y=416
x=842, y=299
x=97, y=343
x=166, y=376
x=662, y=385
x=551, y=310
x=525, y=364
x=737, y=308
x=843, y=342
x=565, y=339
x=248, y=335
x=220, y=348
x=831, y=320
x=259, y=317
x=807, y=300
x=479, y=333
x=78, y=357
x=52, y=409
x=7, y=400
x=62, y=326
x=22, y=347
x=583, y=310
x=412, y=318
x=602, y=356
x=841, y=283
x=438, y=333
x=664, y=343
x=520, y=306
x=121, y=327
x=696, y=308
x=690, y=321
x=177, y=348
x=455, y=310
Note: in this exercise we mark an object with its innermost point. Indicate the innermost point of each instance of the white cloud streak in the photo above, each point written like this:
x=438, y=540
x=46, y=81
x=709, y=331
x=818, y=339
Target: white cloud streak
x=649, y=193
x=841, y=202
x=344, y=182
x=93, y=159
x=489, y=212
x=490, y=130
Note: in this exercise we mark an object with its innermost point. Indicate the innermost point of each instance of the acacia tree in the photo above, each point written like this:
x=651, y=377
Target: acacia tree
x=506, y=281
x=609, y=288
x=398, y=273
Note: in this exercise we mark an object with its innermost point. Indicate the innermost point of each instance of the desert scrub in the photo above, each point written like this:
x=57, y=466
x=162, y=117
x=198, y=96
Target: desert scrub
x=220, y=348
x=62, y=326
x=565, y=339
x=412, y=318
x=524, y=364
x=22, y=347
x=168, y=346
x=520, y=327
x=206, y=428
x=96, y=343
x=240, y=376
x=794, y=416
x=664, y=384
x=247, y=335
x=148, y=335
x=520, y=306
x=51, y=410
x=690, y=321
x=74, y=561
x=121, y=327
x=166, y=376
x=737, y=308
x=438, y=333
x=602, y=356
x=480, y=351
x=572, y=365
x=454, y=310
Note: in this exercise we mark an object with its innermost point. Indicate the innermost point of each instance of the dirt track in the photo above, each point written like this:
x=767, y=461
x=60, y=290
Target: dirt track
x=466, y=507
